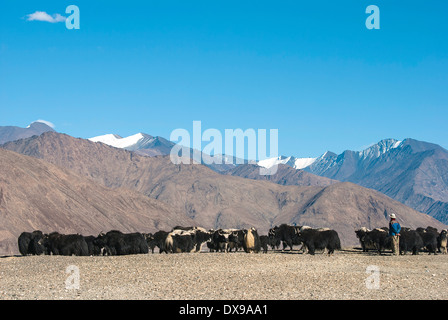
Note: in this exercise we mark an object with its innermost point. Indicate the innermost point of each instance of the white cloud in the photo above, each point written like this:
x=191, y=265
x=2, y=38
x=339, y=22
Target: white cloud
x=43, y=16
x=48, y=123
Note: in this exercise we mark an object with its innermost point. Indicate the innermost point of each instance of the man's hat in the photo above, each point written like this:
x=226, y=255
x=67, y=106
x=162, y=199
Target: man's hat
x=392, y=216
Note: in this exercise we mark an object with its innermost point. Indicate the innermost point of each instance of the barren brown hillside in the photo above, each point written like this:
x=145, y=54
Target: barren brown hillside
x=35, y=194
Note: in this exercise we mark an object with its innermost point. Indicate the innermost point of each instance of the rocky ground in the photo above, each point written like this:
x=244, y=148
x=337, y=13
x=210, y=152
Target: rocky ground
x=349, y=274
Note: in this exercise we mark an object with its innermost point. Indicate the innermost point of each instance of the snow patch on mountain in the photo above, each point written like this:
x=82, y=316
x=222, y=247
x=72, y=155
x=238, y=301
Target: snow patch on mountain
x=129, y=143
x=301, y=163
x=296, y=163
x=379, y=148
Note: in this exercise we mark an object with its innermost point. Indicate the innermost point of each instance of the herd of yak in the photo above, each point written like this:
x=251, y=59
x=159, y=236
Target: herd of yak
x=421, y=239
x=190, y=239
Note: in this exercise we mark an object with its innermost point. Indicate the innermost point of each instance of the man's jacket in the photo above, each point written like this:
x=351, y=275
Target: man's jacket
x=394, y=228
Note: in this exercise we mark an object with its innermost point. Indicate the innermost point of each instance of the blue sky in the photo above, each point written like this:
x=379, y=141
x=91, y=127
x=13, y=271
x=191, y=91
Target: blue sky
x=310, y=69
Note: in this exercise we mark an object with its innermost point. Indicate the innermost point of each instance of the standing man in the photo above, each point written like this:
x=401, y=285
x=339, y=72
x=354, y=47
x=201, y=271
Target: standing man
x=394, y=232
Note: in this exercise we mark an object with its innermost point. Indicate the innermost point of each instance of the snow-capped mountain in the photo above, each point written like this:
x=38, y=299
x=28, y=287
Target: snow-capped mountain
x=141, y=143
x=145, y=144
x=130, y=143
x=379, y=148
x=341, y=166
x=330, y=159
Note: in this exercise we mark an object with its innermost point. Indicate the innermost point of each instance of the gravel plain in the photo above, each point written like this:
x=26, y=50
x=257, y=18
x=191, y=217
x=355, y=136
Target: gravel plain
x=348, y=274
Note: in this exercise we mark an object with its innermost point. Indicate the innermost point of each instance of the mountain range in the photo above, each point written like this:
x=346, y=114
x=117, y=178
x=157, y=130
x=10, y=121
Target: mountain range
x=410, y=171
x=179, y=194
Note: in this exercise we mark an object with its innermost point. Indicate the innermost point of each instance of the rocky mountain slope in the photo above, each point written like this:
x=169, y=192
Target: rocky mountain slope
x=35, y=194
